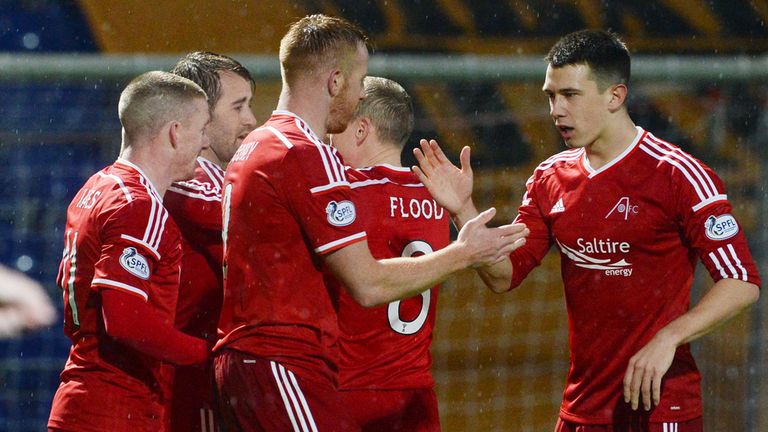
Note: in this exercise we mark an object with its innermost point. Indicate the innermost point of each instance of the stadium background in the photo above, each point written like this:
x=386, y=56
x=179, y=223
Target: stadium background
x=500, y=360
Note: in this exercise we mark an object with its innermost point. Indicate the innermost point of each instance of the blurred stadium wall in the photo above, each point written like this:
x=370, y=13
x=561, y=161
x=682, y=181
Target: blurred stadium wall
x=500, y=360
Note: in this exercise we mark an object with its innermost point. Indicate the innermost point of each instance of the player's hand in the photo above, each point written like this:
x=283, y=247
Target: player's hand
x=450, y=186
x=487, y=246
x=642, y=381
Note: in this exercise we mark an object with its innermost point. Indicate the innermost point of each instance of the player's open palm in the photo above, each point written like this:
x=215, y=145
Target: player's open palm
x=646, y=369
x=487, y=246
x=450, y=186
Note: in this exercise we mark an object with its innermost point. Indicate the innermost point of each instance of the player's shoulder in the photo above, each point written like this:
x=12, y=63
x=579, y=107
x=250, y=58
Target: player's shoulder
x=565, y=160
x=673, y=161
x=206, y=184
x=382, y=174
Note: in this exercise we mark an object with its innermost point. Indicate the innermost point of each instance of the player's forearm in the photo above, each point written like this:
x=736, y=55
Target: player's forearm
x=726, y=299
x=400, y=278
x=137, y=324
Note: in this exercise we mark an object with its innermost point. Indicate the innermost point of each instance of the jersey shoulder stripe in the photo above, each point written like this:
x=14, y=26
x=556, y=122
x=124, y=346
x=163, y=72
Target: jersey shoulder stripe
x=334, y=169
x=214, y=172
x=691, y=169
x=120, y=184
x=568, y=155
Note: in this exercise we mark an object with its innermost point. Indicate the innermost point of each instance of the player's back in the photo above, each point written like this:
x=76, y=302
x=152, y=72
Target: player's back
x=117, y=236
x=285, y=203
x=387, y=347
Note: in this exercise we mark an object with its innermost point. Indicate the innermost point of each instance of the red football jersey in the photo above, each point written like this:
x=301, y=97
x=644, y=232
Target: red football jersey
x=195, y=206
x=629, y=235
x=387, y=347
x=286, y=202
x=118, y=236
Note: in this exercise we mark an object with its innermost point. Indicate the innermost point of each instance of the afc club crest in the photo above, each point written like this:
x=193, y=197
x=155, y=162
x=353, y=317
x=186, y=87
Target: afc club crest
x=340, y=213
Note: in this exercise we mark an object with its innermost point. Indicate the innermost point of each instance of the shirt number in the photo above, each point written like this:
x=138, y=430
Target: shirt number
x=393, y=312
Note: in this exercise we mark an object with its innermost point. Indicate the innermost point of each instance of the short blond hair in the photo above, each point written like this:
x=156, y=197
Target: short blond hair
x=389, y=107
x=153, y=99
x=316, y=41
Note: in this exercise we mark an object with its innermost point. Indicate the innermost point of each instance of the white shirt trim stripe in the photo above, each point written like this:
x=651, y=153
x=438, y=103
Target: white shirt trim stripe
x=280, y=136
x=692, y=166
x=371, y=182
x=120, y=285
x=708, y=201
x=717, y=265
x=142, y=243
x=738, y=262
x=195, y=195
x=213, y=171
x=120, y=184
x=690, y=161
x=728, y=263
x=333, y=244
x=682, y=169
x=329, y=186
x=617, y=159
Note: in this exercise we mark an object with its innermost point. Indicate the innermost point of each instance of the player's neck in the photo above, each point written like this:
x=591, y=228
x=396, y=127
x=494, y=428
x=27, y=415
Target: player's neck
x=383, y=155
x=308, y=105
x=617, y=136
x=211, y=156
x=154, y=168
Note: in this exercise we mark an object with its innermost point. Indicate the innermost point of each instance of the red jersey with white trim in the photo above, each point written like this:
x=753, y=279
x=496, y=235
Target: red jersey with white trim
x=195, y=206
x=286, y=202
x=387, y=347
x=118, y=236
x=629, y=235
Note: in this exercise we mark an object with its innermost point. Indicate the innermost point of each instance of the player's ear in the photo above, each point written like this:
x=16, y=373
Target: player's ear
x=335, y=82
x=172, y=129
x=363, y=128
x=618, y=93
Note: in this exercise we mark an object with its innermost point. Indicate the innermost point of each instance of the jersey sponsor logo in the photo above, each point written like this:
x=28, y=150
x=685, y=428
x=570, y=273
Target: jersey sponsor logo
x=415, y=208
x=623, y=208
x=340, y=213
x=583, y=255
x=721, y=227
x=558, y=207
x=134, y=263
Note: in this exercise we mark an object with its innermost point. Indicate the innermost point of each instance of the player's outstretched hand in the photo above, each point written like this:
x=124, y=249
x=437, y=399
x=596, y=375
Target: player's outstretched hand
x=642, y=381
x=24, y=305
x=487, y=246
x=450, y=186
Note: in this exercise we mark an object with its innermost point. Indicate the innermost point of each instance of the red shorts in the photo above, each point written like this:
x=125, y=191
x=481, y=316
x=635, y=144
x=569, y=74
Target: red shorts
x=393, y=410
x=695, y=425
x=256, y=394
x=192, y=400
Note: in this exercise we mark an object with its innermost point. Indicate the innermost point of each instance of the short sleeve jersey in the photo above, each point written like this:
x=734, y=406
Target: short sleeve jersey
x=387, y=347
x=118, y=236
x=195, y=206
x=629, y=235
x=286, y=202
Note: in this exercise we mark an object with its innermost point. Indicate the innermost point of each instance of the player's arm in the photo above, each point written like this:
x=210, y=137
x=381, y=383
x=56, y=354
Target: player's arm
x=452, y=189
x=373, y=282
x=725, y=254
x=133, y=321
x=726, y=299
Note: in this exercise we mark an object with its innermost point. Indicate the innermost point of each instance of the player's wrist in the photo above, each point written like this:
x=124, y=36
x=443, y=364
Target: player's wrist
x=464, y=214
